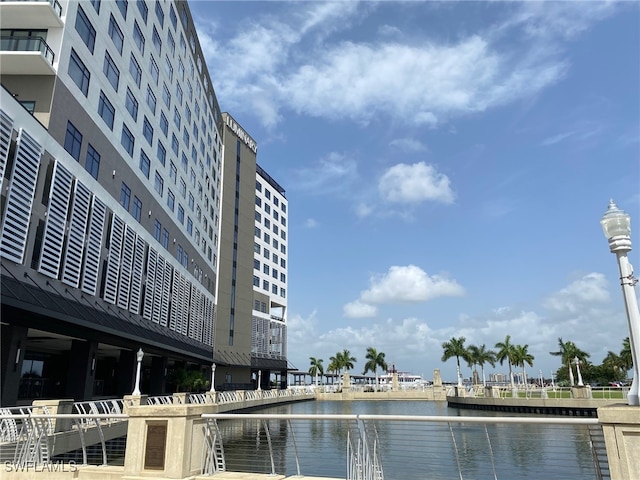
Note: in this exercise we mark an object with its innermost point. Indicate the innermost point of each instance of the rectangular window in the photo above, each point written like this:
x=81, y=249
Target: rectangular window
x=161, y=153
x=96, y=5
x=127, y=140
x=157, y=229
x=180, y=213
x=164, y=124
x=256, y=283
x=274, y=273
x=155, y=38
x=85, y=29
x=172, y=44
x=171, y=200
x=274, y=289
x=144, y=10
x=177, y=119
x=111, y=71
x=175, y=145
x=173, y=17
x=258, y=186
x=158, y=184
x=168, y=68
x=265, y=285
x=184, y=163
x=153, y=70
x=145, y=164
x=257, y=232
x=79, y=73
x=267, y=194
x=191, y=202
x=189, y=226
x=131, y=104
x=266, y=253
x=147, y=130
x=134, y=70
x=183, y=188
x=122, y=5
x=151, y=99
x=166, y=95
x=160, y=14
x=283, y=263
x=137, y=208
x=283, y=249
x=179, y=93
x=116, y=34
x=125, y=196
x=283, y=292
x=106, y=110
x=185, y=136
x=173, y=172
x=73, y=141
x=92, y=163
x=165, y=238
x=267, y=237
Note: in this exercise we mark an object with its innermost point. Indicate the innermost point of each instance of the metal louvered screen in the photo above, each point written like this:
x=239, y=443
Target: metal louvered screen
x=175, y=302
x=22, y=186
x=94, y=247
x=126, y=269
x=56, y=224
x=74, y=251
x=113, y=263
x=150, y=284
x=136, y=276
x=6, y=130
x=166, y=294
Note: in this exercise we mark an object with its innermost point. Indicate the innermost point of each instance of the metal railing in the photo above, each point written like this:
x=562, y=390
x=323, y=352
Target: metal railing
x=374, y=447
x=55, y=4
x=27, y=44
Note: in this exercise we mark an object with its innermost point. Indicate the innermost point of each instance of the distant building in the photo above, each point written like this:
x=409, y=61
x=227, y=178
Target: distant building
x=498, y=378
x=111, y=168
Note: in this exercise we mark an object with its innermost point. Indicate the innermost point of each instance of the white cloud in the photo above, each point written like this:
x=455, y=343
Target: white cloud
x=588, y=290
x=357, y=309
x=408, y=145
x=408, y=284
x=415, y=183
x=329, y=174
x=311, y=223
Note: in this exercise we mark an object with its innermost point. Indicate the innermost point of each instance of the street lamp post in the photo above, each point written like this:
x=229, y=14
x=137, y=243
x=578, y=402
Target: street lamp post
x=616, y=225
x=213, y=378
x=139, y=357
x=259, y=379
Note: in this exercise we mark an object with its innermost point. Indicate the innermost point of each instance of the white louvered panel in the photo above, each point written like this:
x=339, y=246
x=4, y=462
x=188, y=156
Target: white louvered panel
x=136, y=277
x=19, y=202
x=254, y=334
x=149, y=289
x=56, y=223
x=193, y=311
x=200, y=318
x=185, y=298
x=209, y=316
x=158, y=292
x=92, y=255
x=175, y=301
x=114, y=259
x=74, y=250
x=6, y=130
x=126, y=268
x=166, y=294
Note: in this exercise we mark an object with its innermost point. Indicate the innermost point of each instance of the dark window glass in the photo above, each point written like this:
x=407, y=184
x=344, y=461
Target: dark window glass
x=135, y=70
x=161, y=153
x=171, y=200
x=92, y=163
x=151, y=99
x=160, y=14
x=173, y=17
x=145, y=164
x=79, y=73
x=122, y=5
x=131, y=104
x=137, y=208
x=147, y=131
x=85, y=29
x=125, y=196
x=73, y=141
x=157, y=229
x=106, y=110
x=165, y=238
x=127, y=140
x=153, y=70
x=116, y=34
x=111, y=71
x=144, y=10
x=138, y=37
x=164, y=124
x=155, y=38
x=158, y=183
x=96, y=5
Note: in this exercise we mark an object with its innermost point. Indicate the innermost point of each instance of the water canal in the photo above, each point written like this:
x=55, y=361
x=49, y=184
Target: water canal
x=413, y=450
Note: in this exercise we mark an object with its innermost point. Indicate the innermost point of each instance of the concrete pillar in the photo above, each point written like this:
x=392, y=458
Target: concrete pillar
x=621, y=428
x=13, y=347
x=126, y=372
x=81, y=373
x=158, y=383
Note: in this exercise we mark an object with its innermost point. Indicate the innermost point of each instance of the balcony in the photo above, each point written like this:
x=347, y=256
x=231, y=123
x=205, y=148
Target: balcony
x=30, y=14
x=25, y=56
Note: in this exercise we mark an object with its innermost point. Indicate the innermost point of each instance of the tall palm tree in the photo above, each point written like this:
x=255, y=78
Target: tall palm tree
x=316, y=368
x=375, y=359
x=345, y=360
x=505, y=352
x=479, y=355
x=625, y=355
x=455, y=348
x=567, y=352
x=334, y=367
x=521, y=356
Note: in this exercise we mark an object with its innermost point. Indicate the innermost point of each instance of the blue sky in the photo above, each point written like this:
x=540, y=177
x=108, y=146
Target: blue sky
x=446, y=166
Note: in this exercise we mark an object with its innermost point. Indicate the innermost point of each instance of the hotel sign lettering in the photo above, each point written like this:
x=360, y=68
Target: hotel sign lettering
x=241, y=134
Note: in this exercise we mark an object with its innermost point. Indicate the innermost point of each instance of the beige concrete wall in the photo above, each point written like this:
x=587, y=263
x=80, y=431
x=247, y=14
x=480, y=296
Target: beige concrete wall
x=621, y=428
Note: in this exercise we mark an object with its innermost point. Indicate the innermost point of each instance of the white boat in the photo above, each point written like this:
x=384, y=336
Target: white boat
x=404, y=379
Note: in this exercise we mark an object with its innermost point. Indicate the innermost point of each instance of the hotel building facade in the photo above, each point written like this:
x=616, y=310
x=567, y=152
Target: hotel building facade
x=113, y=227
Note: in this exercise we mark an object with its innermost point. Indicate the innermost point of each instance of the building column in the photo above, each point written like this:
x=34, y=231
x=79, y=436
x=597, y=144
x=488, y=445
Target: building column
x=82, y=372
x=126, y=370
x=158, y=382
x=13, y=347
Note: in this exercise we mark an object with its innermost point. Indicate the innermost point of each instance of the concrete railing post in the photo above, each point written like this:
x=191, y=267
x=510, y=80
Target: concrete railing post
x=621, y=428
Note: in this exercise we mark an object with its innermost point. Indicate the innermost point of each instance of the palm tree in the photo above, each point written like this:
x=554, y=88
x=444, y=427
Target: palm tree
x=375, y=359
x=521, y=356
x=455, y=348
x=625, y=355
x=568, y=351
x=345, y=360
x=505, y=352
x=333, y=367
x=316, y=368
x=479, y=355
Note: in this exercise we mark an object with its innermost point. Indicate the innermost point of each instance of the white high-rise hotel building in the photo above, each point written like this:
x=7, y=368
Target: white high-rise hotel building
x=112, y=226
